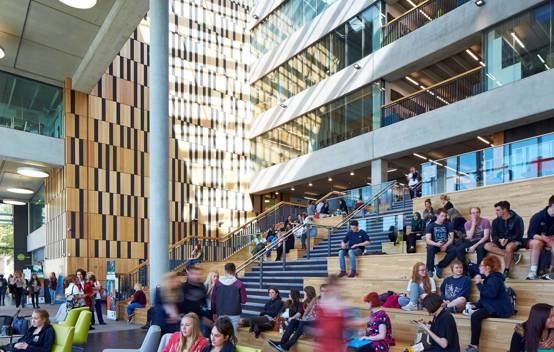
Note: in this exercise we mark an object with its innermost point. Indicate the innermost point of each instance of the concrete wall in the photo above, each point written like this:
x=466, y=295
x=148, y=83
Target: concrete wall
x=36, y=239
x=516, y=104
x=19, y=145
x=437, y=40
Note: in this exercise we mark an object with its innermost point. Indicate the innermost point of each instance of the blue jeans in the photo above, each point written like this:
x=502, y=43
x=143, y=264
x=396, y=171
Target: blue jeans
x=131, y=308
x=352, y=254
x=415, y=292
x=192, y=262
x=52, y=295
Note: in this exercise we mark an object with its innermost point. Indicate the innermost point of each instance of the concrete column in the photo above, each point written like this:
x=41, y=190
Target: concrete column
x=379, y=169
x=158, y=201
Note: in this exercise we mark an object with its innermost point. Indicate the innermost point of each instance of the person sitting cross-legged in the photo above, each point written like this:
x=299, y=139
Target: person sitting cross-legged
x=442, y=330
x=439, y=237
x=506, y=235
x=541, y=236
x=353, y=244
x=419, y=286
x=455, y=288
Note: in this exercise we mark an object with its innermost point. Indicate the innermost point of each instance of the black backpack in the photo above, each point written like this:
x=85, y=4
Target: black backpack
x=512, y=295
x=6, y=324
x=411, y=240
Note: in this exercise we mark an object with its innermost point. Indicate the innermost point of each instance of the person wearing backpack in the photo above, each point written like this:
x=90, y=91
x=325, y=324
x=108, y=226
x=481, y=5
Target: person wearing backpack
x=494, y=301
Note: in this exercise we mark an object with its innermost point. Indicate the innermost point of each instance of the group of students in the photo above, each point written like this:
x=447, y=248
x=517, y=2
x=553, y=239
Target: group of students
x=19, y=288
x=83, y=289
x=446, y=230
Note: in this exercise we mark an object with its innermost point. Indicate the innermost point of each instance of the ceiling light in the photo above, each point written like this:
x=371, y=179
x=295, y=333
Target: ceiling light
x=20, y=190
x=310, y=184
x=483, y=140
x=356, y=66
x=266, y=201
x=277, y=193
x=538, y=55
x=283, y=105
x=436, y=162
x=419, y=156
x=13, y=202
x=310, y=198
x=292, y=188
x=479, y=2
x=472, y=54
x=392, y=170
x=256, y=17
x=518, y=40
x=79, y=4
x=412, y=3
x=32, y=172
x=330, y=179
x=351, y=173
x=482, y=63
x=2, y=53
x=411, y=80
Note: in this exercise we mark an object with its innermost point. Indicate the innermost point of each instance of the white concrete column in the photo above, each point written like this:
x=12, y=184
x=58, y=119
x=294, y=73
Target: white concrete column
x=158, y=200
x=379, y=169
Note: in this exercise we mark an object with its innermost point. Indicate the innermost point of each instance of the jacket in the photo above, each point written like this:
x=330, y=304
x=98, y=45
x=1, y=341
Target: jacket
x=511, y=228
x=228, y=347
x=139, y=297
x=273, y=307
x=173, y=343
x=228, y=295
x=494, y=297
x=42, y=342
x=541, y=224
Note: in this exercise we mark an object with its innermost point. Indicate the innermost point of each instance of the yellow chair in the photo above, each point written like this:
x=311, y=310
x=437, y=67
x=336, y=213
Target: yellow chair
x=63, y=338
x=82, y=327
x=72, y=316
x=239, y=348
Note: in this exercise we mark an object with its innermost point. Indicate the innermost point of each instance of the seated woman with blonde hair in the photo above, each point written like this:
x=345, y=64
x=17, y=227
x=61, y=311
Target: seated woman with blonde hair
x=39, y=337
x=188, y=338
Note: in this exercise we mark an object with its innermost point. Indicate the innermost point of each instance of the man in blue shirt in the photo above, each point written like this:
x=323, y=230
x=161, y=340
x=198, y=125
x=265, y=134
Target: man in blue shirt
x=439, y=236
x=352, y=244
x=541, y=236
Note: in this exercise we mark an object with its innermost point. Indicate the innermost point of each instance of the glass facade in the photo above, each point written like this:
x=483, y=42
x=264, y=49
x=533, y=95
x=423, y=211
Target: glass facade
x=344, y=118
x=37, y=211
x=284, y=21
x=30, y=106
x=520, y=47
x=524, y=159
x=350, y=42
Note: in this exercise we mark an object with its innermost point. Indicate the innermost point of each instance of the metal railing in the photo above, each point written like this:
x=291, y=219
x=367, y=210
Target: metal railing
x=371, y=206
x=454, y=89
x=415, y=18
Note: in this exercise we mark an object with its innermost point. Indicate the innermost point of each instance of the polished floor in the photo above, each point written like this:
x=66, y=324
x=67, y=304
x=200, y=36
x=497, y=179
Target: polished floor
x=115, y=339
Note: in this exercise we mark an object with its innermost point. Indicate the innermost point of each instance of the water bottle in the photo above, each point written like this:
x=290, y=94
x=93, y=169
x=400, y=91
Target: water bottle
x=280, y=329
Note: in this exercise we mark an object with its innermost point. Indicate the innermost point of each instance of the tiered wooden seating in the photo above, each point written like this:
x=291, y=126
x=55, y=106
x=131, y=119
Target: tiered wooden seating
x=304, y=344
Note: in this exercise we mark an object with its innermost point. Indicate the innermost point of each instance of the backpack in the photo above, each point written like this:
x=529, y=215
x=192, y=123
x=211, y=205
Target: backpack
x=512, y=296
x=6, y=324
x=411, y=240
x=20, y=326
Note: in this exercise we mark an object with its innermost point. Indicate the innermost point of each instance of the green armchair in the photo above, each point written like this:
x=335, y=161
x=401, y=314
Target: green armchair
x=82, y=327
x=72, y=316
x=239, y=348
x=63, y=338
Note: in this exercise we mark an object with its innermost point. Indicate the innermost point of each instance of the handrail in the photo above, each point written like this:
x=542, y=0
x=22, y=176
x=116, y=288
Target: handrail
x=432, y=86
x=297, y=227
x=405, y=14
x=332, y=193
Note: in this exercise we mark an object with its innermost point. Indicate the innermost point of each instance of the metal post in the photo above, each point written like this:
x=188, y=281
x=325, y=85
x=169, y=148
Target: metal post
x=261, y=282
x=308, y=244
x=284, y=254
x=329, y=235
x=159, y=143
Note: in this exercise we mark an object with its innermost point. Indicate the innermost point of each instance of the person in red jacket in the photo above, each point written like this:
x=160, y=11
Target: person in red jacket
x=188, y=338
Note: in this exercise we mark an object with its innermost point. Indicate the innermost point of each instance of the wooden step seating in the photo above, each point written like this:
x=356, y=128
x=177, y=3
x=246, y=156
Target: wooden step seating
x=304, y=344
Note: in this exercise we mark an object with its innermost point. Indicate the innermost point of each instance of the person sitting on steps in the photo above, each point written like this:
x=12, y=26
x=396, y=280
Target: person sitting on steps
x=506, y=235
x=455, y=288
x=442, y=330
x=540, y=236
x=439, y=237
x=353, y=244
x=537, y=333
x=419, y=286
x=478, y=231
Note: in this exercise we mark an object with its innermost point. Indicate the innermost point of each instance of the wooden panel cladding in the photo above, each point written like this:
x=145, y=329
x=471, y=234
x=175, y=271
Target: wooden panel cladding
x=525, y=197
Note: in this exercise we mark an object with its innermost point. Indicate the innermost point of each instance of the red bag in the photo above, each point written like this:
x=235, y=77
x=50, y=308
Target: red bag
x=391, y=302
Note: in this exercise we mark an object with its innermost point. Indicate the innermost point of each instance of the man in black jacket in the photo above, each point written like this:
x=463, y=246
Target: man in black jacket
x=506, y=235
x=272, y=308
x=540, y=236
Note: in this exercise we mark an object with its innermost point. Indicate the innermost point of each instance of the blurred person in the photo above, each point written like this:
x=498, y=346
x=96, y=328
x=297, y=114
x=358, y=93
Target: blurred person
x=89, y=296
x=80, y=278
x=443, y=329
x=287, y=242
x=419, y=286
x=138, y=301
x=3, y=290
x=194, y=299
x=11, y=286
x=228, y=296
x=39, y=337
x=209, y=284
x=223, y=337
x=196, y=256
x=541, y=236
x=353, y=244
x=189, y=338
x=34, y=290
x=455, y=289
x=271, y=310
x=343, y=208
x=52, y=287
x=331, y=318
x=537, y=333
x=167, y=300
x=418, y=225
x=311, y=208
x=18, y=287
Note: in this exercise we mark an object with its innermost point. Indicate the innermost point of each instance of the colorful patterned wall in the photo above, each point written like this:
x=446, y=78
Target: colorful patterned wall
x=97, y=206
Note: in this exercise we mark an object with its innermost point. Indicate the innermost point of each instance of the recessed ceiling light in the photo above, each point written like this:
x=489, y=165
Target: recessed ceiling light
x=330, y=179
x=266, y=200
x=479, y=2
x=20, y=190
x=32, y=172
x=13, y=202
x=277, y=193
x=292, y=188
x=351, y=173
x=419, y=156
x=356, y=66
x=310, y=184
x=79, y=4
x=2, y=53
x=392, y=170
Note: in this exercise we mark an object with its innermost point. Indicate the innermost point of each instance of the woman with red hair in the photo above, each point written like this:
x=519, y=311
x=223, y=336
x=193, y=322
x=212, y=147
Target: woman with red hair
x=379, y=329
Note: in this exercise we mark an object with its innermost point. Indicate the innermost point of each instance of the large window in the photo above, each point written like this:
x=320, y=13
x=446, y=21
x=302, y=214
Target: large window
x=331, y=123
x=524, y=159
x=30, y=106
x=520, y=47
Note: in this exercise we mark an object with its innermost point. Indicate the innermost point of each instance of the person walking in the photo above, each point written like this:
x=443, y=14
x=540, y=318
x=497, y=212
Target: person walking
x=52, y=286
x=3, y=289
x=34, y=290
x=18, y=286
x=96, y=304
x=228, y=295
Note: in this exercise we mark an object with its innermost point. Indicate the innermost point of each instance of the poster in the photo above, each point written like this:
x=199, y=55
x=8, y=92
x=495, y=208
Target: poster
x=110, y=288
x=37, y=269
x=59, y=294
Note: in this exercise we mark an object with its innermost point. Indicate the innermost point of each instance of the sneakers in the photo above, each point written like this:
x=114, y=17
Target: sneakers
x=352, y=274
x=468, y=310
x=532, y=276
x=342, y=274
x=506, y=274
x=547, y=277
x=410, y=307
x=516, y=257
x=471, y=349
x=438, y=271
x=276, y=345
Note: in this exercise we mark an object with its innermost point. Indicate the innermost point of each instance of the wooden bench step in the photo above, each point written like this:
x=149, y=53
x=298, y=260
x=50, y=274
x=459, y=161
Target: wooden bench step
x=304, y=344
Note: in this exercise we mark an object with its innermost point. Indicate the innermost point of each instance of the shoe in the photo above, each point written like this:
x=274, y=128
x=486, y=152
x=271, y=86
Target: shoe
x=342, y=274
x=257, y=331
x=468, y=310
x=410, y=307
x=506, y=274
x=532, y=276
x=516, y=257
x=92, y=328
x=471, y=349
x=145, y=327
x=276, y=345
x=38, y=307
x=352, y=274
x=438, y=271
x=547, y=277
x=129, y=318
x=102, y=323
x=251, y=328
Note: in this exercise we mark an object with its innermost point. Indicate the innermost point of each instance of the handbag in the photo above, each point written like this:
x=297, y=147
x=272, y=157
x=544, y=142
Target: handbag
x=73, y=302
